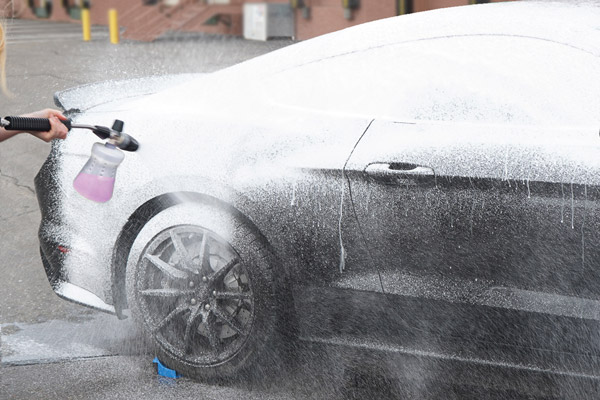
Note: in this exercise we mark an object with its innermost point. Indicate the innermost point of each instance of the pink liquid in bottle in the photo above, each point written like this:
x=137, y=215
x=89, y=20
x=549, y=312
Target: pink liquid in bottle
x=96, y=180
x=94, y=187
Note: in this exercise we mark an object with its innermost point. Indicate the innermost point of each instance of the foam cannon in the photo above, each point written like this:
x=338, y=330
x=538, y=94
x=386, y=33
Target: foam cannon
x=96, y=180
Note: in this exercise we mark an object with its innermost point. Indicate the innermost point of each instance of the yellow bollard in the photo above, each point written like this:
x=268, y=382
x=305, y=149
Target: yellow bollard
x=86, y=24
x=113, y=26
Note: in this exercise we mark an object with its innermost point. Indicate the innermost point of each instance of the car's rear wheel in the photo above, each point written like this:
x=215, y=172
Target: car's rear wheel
x=205, y=293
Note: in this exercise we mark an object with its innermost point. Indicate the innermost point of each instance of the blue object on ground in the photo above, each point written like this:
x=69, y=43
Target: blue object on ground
x=164, y=371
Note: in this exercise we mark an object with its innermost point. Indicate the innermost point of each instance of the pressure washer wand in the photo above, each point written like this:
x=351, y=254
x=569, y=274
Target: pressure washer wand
x=115, y=134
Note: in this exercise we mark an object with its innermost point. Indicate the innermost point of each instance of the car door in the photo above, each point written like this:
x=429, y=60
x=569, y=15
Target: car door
x=484, y=233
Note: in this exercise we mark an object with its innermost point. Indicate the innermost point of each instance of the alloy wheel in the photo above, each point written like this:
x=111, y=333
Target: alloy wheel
x=195, y=295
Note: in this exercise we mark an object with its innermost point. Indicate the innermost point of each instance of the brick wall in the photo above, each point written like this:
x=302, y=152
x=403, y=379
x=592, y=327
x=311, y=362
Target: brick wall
x=328, y=15
x=424, y=5
x=321, y=16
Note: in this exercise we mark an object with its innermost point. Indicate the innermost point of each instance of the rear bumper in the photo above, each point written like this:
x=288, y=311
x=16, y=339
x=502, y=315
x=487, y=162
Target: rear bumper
x=68, y=291
x=55, y=242
x=47, y=189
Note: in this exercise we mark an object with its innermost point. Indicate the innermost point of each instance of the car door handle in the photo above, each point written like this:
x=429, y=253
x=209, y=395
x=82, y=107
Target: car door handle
x=387, y=169
x=399, y=173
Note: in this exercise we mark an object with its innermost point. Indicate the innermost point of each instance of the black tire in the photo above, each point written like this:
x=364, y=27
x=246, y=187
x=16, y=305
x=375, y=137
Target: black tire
x=206, y=294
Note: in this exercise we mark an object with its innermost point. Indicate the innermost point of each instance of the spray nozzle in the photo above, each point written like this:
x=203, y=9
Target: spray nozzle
x=115, y=135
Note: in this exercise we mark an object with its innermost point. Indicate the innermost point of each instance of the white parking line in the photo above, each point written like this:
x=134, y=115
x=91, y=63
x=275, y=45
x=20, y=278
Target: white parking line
x=51, y=341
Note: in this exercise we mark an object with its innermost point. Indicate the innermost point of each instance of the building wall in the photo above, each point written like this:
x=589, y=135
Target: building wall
x=424, y=5
x=98, y=14
x=328, y=15
x=319, y=16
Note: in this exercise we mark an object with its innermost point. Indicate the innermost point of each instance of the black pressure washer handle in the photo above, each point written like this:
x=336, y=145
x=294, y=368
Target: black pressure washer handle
x=121, y=140
x=31, y=124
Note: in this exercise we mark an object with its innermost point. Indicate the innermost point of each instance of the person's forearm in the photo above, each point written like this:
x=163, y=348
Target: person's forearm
x=57, y=130
x=4, y=134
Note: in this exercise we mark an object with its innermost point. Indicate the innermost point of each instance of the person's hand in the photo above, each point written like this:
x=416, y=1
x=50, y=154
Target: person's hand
x=57, y=131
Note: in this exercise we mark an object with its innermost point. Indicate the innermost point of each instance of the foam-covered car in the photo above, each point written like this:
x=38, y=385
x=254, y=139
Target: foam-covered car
x=425, y=185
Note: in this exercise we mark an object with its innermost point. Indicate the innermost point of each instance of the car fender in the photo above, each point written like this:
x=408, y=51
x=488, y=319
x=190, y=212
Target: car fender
x=190, y=192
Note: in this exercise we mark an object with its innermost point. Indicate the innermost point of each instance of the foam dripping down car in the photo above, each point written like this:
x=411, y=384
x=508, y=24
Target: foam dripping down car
x=422, y=186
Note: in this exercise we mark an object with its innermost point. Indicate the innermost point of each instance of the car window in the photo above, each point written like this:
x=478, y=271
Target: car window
x=498, y=79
